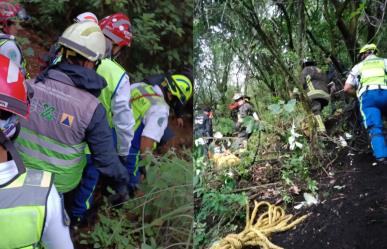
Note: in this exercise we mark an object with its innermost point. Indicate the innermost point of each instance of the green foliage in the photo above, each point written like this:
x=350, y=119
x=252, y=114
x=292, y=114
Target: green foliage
x=282, y=107
x=162, y=30
x=215, y=206
x=166, y=208
x=264, y=43
x=224, y=125
x=220, y=204
x=251, y=124
x=219, y=207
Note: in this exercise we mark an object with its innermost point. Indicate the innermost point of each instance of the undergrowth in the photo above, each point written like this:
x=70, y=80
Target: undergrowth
x=162, y=218
x=278, y=164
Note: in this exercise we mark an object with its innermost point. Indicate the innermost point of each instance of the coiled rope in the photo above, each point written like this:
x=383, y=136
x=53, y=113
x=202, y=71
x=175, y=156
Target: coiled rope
x=271, y=221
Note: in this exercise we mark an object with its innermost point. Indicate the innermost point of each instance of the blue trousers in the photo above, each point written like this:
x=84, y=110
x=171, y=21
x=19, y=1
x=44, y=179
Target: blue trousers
x=83, y=196
x=372, y=104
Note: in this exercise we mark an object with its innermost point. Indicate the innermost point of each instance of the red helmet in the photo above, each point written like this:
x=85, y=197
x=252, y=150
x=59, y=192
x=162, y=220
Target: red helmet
x=13, y=90
x=12, y=11
x=118, y=28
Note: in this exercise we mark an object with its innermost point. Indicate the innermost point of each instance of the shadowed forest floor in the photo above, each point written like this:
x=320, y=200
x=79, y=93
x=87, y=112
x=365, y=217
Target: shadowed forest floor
x=350, y=218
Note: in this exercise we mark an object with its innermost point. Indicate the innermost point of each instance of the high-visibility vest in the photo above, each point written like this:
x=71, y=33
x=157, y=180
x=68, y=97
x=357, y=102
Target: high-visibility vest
x=372, y=72
x=142, y=97
x=53, y=139
x=23, y=210
x=113, y=73
x=5, y=38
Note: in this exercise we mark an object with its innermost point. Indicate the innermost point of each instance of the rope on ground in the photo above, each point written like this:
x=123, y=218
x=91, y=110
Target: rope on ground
x=271, y=221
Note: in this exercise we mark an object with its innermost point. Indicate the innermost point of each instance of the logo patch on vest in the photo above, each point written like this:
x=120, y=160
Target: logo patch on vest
x=48, y=112
x=67, y=119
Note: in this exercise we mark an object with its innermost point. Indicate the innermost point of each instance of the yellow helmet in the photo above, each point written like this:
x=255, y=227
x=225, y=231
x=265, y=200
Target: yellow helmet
x=368, y=47
x=180, y=86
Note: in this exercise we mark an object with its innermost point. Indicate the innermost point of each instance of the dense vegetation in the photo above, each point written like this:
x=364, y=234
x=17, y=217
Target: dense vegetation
x=162, y=29
x=256, y=47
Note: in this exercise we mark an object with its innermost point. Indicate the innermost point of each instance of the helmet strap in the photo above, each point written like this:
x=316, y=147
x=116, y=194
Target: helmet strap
x=5, y=28
x=109, y=48
x=116, y=51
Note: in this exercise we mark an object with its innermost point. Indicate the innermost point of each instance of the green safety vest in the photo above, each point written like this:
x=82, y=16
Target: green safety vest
x=23, y=210
x=112, y=72
x=53, y=139
x=142, y=97
x=372, y=72
x=41, y=152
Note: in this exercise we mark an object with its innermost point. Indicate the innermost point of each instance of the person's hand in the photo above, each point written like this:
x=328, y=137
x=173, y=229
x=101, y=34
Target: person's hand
x=121, y=196
x=180, y=122
x=332, y=87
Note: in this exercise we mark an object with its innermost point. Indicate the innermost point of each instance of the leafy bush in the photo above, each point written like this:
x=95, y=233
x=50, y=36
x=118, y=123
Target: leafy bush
x=214, y=206
x=224, y=125
x=163, y=216
x=162, y=30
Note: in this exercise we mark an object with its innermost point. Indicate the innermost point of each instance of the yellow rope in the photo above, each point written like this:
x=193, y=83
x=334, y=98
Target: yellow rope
x=271, y=221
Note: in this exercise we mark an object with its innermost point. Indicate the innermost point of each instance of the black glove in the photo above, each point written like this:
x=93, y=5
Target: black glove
x=124, y=160
x=121, y=196
x=142, y=171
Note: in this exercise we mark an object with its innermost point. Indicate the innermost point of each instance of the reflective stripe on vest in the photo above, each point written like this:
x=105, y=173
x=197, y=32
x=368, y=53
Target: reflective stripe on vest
x=142, y=98
x=23, y=210
x=54, y=138
x=23, y=63
x=112, y=72
x=372, y=72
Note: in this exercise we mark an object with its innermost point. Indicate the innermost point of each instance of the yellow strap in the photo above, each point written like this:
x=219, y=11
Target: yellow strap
x=321, y=126
x=309, y=83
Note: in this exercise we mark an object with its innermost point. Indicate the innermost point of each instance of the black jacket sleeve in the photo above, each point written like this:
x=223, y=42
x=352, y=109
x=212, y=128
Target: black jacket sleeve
x=100, y=140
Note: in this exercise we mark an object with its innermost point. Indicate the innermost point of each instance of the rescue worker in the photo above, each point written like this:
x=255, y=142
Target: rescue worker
x=10, y=15
x=161, y=80
x=31, y=211
x=368, y=80
x=203, y=128
x=66, y=114
x=115, y=98
x=316, y=83
x=150, y=105
x=203, y=123
x=244, y=107
x=150, y=110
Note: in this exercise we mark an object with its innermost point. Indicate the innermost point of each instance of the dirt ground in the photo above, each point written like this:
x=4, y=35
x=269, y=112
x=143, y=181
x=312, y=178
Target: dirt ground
x=353, y=217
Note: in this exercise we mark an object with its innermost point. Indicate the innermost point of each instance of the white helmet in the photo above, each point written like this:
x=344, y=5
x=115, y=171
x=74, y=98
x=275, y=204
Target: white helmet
x=86, y=39
x=237, y=96
x=86, y=16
